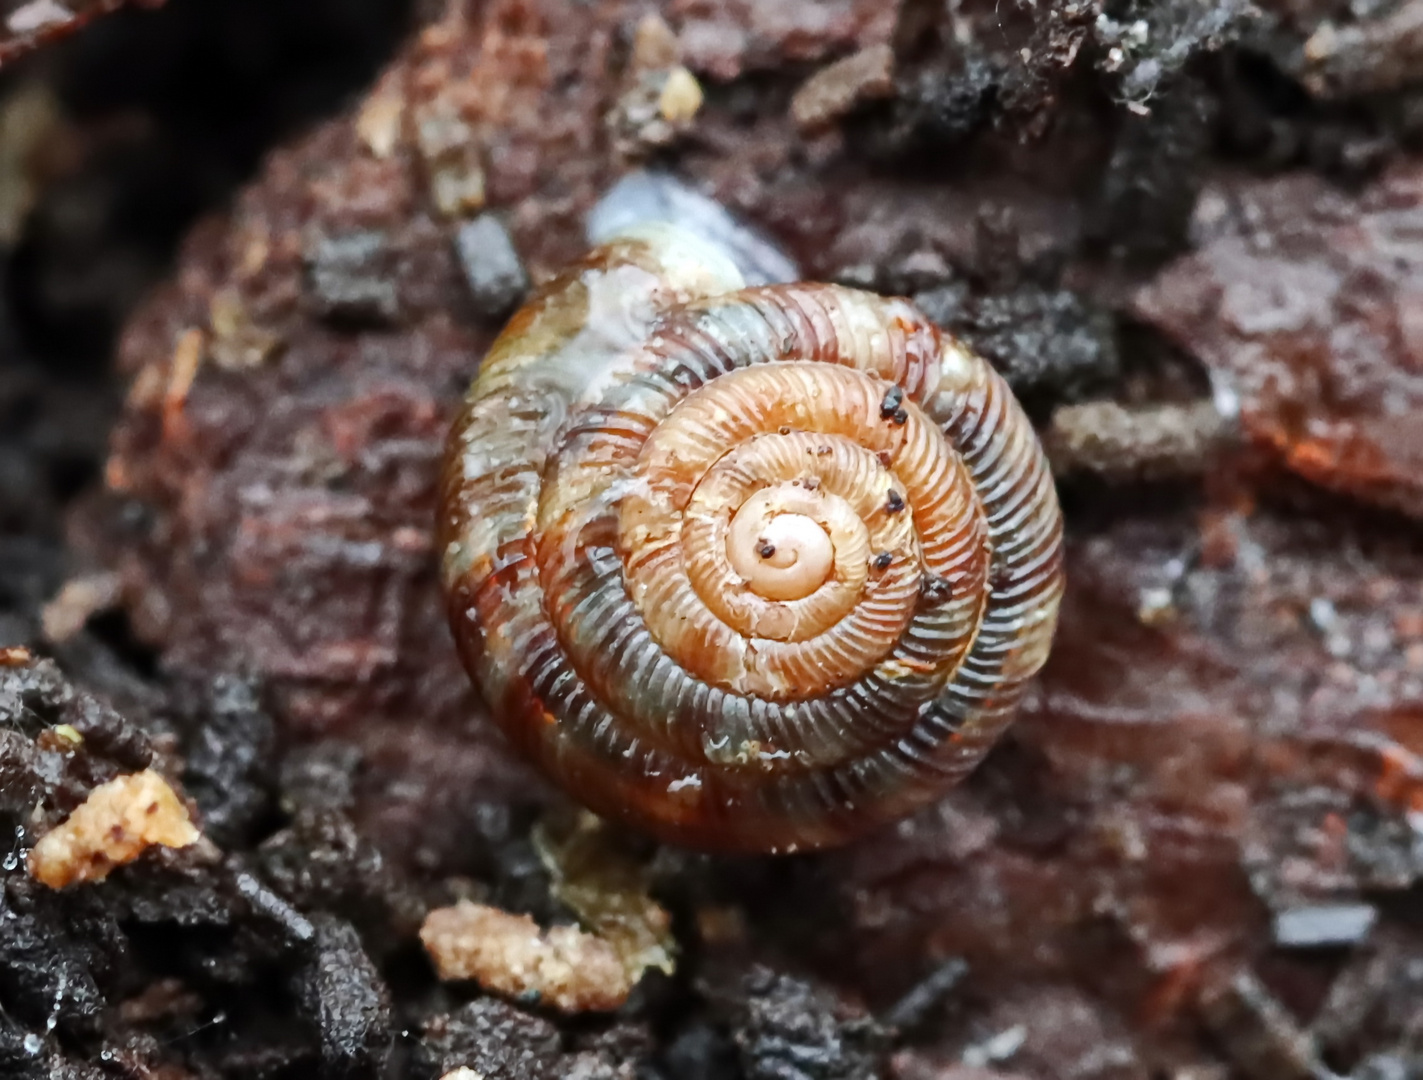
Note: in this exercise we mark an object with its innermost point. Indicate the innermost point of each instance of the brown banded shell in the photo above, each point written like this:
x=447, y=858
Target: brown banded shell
x=749, y=568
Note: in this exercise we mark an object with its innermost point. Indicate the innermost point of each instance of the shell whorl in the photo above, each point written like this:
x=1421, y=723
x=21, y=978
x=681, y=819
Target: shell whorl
x=750, y=568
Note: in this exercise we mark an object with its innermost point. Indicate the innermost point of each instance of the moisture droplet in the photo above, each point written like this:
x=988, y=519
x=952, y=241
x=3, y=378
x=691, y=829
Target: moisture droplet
x=12, y=860
x=33, y=1044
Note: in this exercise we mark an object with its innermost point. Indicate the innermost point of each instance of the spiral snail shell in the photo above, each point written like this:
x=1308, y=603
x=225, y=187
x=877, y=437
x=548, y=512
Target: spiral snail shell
x=751, y=568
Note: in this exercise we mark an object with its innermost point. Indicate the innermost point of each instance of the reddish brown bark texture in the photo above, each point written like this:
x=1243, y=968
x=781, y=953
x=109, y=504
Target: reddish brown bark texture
x=1229, y=731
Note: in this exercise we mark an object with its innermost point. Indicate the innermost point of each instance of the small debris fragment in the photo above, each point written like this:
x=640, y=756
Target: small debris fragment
x=787, y=1027
x=659, y=97
x=656, y=109
x=833, y=91
x=464, y=1072
x=182, y=373
x=30, y=119
x=926, y=997
x=352, y=278
x=1324, y=926
x=894, y=503
x=1131, y=443
x=161, y=1000
x=891, y=408
x=921, y=269
x=452, y=159
x=492, y=267
x=1373, y=1000
x=1255, y=1031
x=378, y=123
x=996, y=1048
x=681, y=97
x=458, y=192
x=266, y=905
x=38, y=15
x=78, y=601
x=882, y=560
x=238, y=343
x=606, y=886
x=1378, y=53
x=1156, y=606
x=935, y=589
x=563, y=967
x=116, y=824
x=766, y=550
x=13, y=656
x=654, y=44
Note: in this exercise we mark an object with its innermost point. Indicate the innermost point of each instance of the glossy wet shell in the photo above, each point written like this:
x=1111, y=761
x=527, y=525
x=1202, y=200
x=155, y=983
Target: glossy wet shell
x=749, y=568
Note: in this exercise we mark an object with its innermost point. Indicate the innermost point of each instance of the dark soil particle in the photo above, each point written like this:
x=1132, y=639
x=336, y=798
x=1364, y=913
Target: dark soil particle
x=250, y=254
x=494, y=1039
x=343, y=994
x=352, y=278
x=1046, y=343
x=789, y=1029
x=496, y=276
x=229, y=763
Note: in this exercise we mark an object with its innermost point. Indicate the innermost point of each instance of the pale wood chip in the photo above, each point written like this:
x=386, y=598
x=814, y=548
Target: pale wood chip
x=568, y=969
x=116, y=824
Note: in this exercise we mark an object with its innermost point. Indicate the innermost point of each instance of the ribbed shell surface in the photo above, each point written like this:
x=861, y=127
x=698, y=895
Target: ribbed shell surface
x=749, y=568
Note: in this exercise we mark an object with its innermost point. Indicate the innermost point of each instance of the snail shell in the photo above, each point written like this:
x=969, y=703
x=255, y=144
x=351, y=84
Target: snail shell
x=749, y=568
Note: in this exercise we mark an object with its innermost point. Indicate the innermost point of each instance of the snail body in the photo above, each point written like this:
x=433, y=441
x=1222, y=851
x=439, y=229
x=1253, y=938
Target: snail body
x=750, y=568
